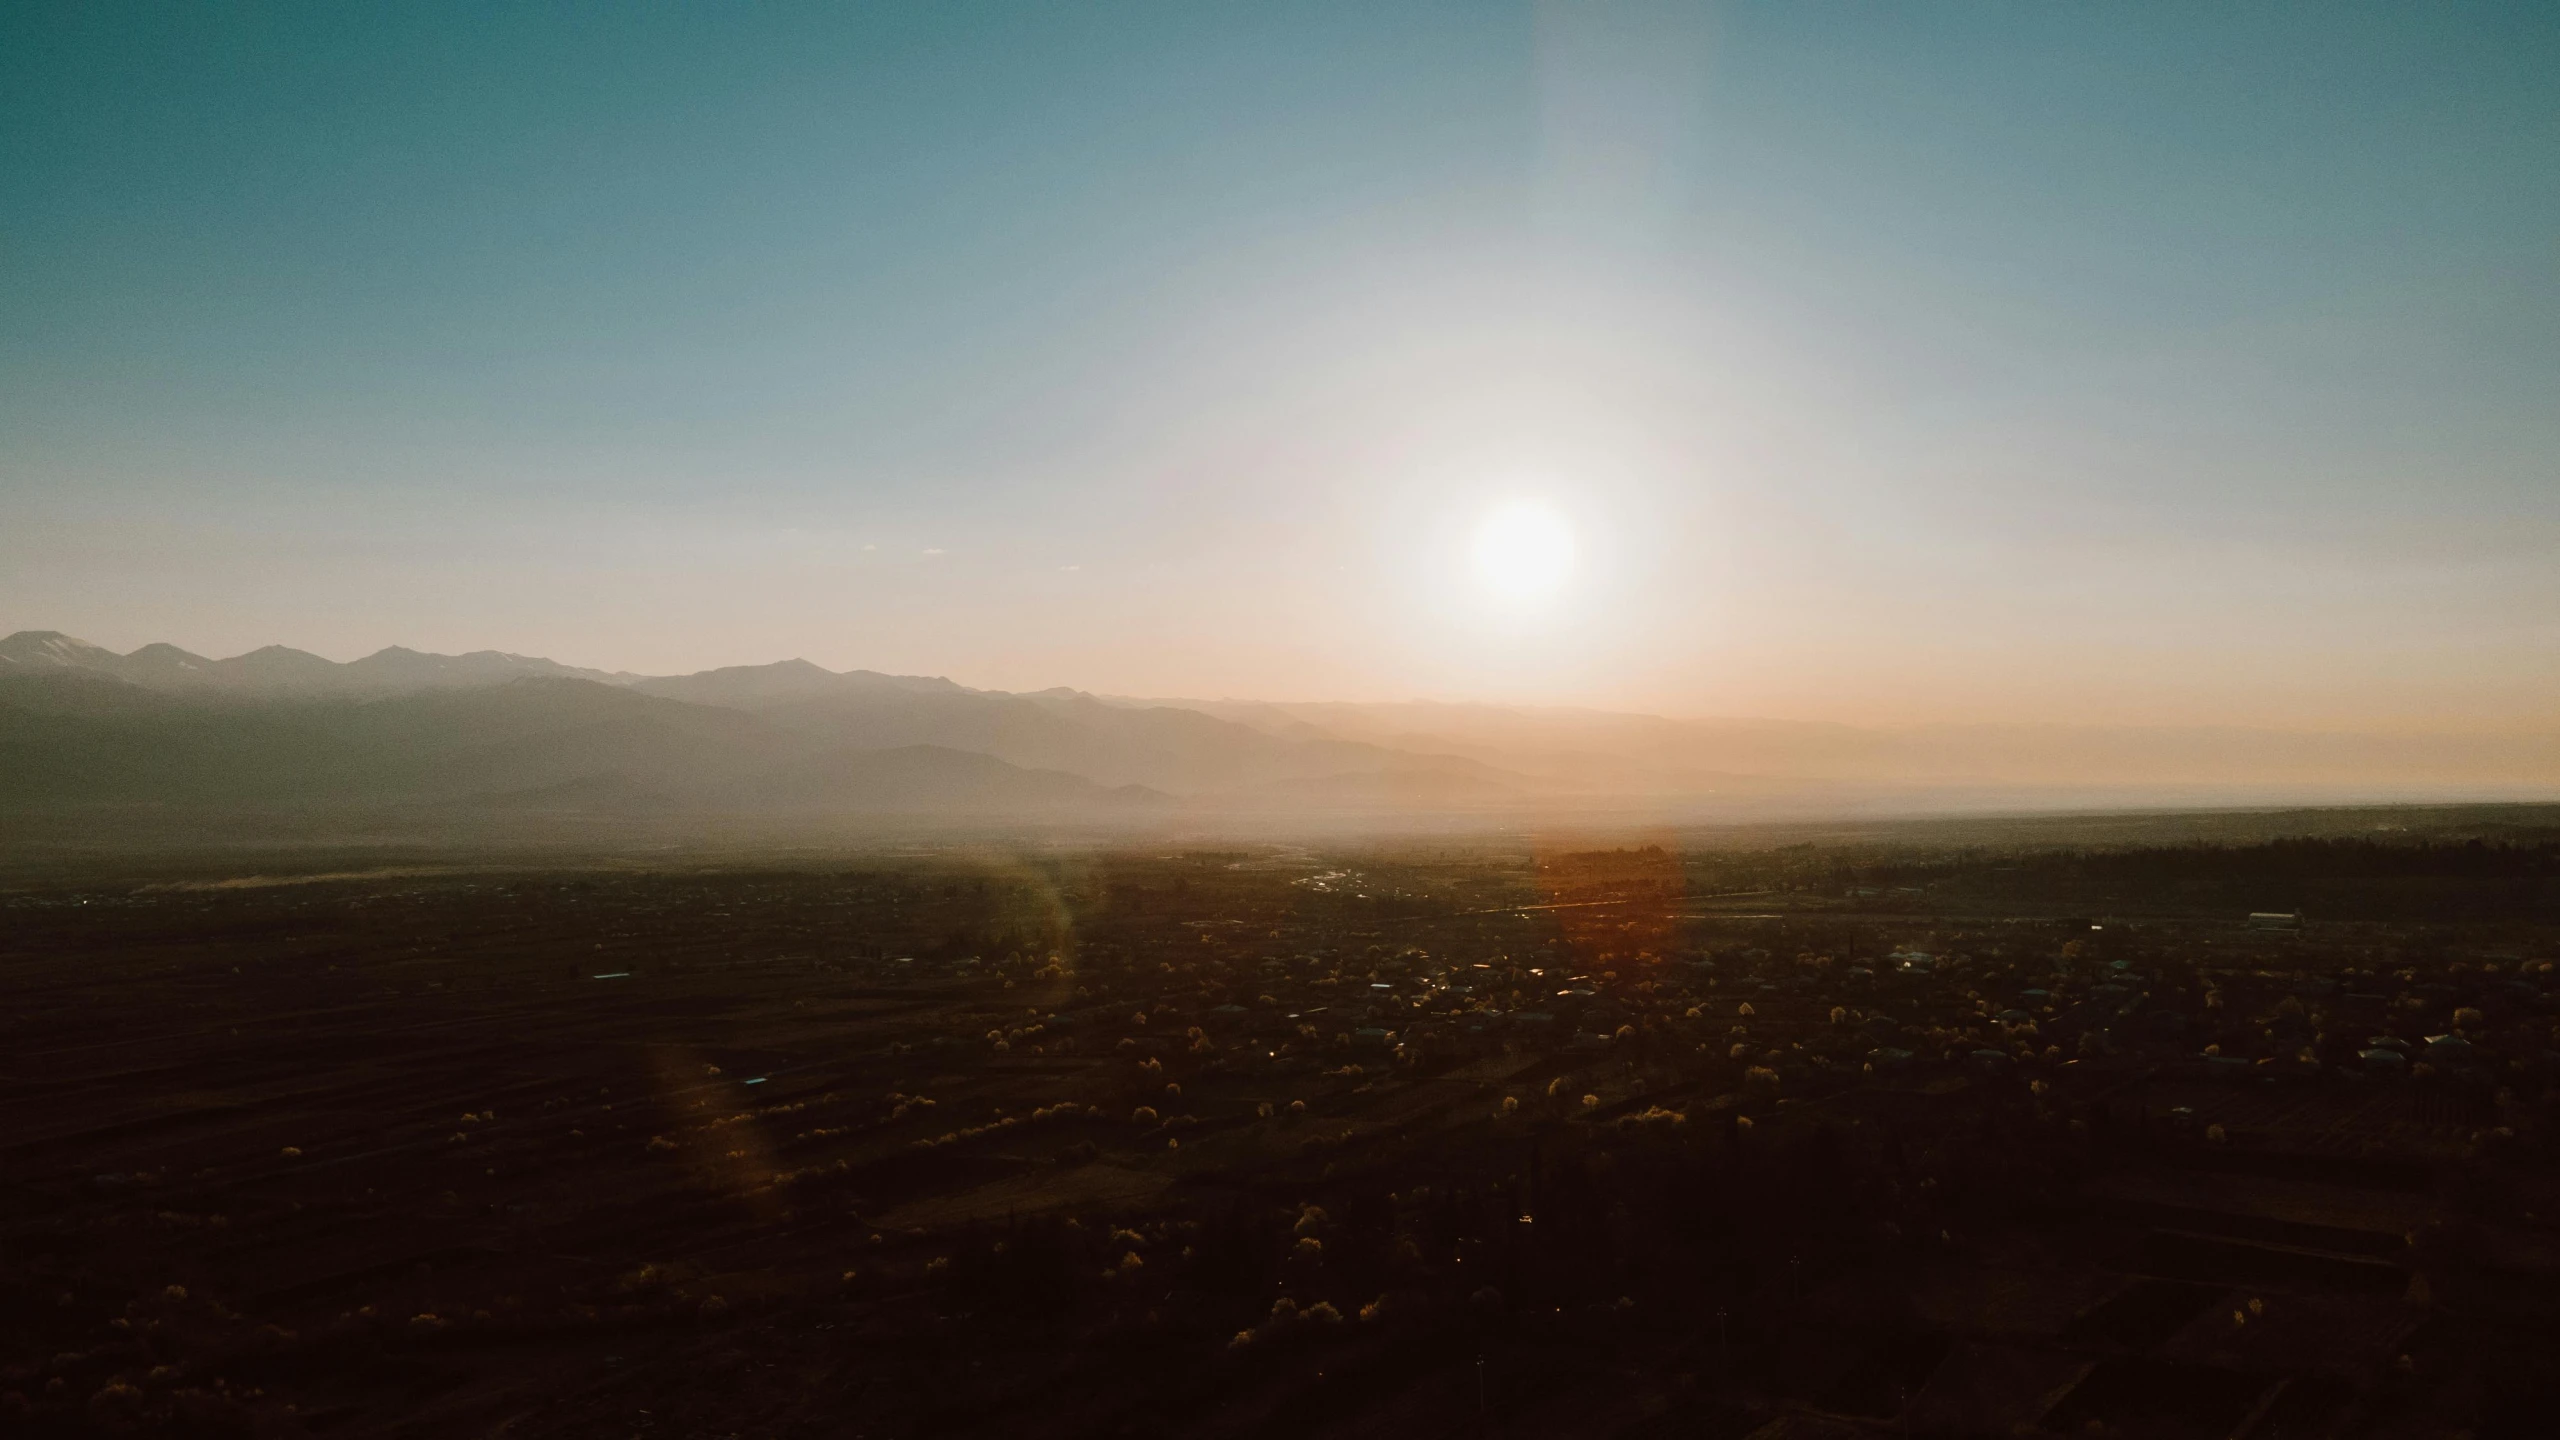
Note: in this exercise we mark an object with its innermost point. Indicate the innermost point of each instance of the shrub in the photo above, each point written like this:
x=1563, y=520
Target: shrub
x=1287, y=1319
x=113, y=1403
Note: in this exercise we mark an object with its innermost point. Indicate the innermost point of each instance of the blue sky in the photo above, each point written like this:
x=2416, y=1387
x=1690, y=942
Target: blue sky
x=2152, y=362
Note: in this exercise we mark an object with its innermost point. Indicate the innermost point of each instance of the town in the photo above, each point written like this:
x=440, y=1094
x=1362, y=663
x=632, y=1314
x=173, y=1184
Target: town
x=1482, y=1137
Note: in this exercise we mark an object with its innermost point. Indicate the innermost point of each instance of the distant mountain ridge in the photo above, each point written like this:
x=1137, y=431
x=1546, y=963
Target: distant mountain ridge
x=1157, y=748
x=502, y=734
x=76, y=740
x=278, y=669
x=81, y=725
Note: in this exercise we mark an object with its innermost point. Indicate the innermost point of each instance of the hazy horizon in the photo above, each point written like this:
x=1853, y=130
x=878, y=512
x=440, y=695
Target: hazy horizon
x=488, y=739
x=1310, y=703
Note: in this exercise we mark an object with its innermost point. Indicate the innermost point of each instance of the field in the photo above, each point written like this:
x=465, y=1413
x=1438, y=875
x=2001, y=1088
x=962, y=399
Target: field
x=1950, y=1134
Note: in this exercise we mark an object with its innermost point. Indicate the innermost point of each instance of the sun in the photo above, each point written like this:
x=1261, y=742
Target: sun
x=1523, y=551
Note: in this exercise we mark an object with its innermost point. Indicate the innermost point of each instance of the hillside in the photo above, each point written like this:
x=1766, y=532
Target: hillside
x=77, y=740
x=83, y=725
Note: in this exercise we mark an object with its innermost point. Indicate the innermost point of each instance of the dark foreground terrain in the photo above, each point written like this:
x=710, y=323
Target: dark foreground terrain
x=1788, y=1140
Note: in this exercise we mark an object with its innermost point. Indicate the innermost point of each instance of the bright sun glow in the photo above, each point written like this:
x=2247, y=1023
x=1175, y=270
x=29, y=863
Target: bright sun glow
x=1524, y=551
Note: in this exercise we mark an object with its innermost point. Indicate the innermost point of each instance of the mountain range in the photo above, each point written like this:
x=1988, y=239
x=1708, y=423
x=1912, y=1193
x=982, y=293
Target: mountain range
x=276, y=669
x=492, y=734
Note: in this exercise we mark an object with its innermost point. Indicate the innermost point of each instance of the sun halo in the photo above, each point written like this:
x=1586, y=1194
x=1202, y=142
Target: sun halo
x=1523, y=551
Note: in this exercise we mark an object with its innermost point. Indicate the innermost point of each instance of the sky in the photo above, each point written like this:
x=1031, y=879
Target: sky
x=2155, y=364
